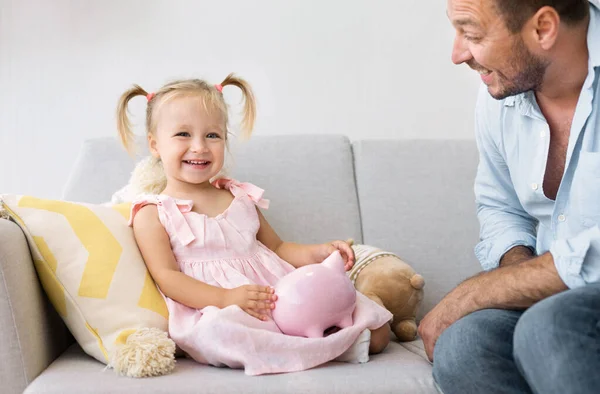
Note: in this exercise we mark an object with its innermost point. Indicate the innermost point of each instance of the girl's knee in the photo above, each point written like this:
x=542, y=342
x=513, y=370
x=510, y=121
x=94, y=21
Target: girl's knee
x=380, y=338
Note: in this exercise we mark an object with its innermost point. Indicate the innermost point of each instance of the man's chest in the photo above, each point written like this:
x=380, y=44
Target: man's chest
x=560, y=130
x=555, y=167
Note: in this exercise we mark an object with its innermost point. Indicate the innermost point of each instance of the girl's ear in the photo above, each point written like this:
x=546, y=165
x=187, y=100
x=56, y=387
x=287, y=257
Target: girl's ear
x=152, y=146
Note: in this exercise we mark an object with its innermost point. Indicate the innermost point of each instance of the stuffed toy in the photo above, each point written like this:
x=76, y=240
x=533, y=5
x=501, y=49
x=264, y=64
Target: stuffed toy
x=148, y=177
x=392, y=283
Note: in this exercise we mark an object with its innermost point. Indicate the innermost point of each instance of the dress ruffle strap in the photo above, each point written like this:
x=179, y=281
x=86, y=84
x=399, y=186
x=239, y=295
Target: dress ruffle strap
x=173, y=211
x=236, y=188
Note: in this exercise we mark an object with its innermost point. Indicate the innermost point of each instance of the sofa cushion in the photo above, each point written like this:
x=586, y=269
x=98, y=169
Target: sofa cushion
x=91, y=269
x=397, y=370
x=416, y=200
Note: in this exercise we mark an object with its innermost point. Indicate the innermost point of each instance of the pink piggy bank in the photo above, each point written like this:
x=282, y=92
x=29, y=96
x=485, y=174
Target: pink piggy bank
x=314, y=298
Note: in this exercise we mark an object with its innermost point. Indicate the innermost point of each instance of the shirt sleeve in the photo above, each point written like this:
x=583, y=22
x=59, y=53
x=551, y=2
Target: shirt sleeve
x=577, y=259
x=504, y=223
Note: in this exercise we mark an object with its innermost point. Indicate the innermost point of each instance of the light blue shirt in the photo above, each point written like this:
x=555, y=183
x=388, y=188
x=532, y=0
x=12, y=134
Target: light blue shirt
x=513, y=138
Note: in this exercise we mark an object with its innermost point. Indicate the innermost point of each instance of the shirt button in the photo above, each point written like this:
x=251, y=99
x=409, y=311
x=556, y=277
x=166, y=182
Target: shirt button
x=543, y=133
x=561, y=218
x=534, y=186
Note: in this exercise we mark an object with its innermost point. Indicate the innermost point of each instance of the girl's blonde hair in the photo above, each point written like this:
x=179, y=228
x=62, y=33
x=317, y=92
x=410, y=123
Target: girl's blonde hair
x=212, y=99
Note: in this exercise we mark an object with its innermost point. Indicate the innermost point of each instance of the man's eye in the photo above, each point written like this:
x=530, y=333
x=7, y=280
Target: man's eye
x=472, y=39
x=182, y=134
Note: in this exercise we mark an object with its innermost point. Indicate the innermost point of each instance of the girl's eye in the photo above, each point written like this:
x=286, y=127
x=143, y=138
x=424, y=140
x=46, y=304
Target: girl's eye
x=182, y=134
x=213, y=135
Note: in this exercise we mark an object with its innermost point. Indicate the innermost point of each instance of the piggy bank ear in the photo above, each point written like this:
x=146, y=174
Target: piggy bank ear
x=335, y=261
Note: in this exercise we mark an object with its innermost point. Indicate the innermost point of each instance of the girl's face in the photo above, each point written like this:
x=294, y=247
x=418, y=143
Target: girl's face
x=189, y=141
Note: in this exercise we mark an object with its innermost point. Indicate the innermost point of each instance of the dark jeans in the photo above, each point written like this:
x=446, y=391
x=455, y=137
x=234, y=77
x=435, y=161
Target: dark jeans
x=552, y=347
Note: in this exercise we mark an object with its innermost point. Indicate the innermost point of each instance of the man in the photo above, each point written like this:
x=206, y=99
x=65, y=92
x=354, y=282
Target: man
x=530, y=321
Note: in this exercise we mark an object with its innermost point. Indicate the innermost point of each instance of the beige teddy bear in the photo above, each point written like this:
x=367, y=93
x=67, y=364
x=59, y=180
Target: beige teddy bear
x=392, y=283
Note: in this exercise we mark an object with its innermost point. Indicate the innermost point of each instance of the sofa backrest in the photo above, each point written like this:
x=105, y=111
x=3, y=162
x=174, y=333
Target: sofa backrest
x=416, y=200
x=309, y=180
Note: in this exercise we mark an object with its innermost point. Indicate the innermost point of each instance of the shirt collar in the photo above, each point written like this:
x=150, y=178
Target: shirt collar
x=510, y=101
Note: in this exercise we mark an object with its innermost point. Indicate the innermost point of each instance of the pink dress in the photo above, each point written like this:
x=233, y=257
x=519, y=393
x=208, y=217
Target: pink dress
x=223, y=251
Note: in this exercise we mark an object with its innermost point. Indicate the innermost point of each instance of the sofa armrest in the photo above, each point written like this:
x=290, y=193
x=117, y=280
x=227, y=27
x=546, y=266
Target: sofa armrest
x=32, y=333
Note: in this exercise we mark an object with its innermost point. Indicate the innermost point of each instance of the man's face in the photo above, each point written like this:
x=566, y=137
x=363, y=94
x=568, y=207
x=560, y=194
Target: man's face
x=486, y=45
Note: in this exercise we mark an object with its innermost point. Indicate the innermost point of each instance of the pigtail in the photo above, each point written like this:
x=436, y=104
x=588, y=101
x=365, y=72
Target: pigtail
x=123, y=124
x=249, y=103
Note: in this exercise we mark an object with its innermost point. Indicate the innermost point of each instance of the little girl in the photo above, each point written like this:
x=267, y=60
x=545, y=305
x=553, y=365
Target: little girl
x=211, y=251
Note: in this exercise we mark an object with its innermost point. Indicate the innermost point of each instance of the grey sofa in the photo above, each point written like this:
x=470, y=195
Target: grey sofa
x=413, y=198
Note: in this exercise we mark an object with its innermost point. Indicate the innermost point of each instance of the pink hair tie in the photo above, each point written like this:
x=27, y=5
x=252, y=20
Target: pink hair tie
x=219, y=87
x=150, y=96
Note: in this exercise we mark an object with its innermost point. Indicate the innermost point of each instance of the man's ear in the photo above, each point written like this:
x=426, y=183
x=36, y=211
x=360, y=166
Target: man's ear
x=545, y=25
x=152, y=146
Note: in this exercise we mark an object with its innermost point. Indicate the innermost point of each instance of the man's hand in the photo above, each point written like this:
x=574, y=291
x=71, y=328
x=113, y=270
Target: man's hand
x=436, y=321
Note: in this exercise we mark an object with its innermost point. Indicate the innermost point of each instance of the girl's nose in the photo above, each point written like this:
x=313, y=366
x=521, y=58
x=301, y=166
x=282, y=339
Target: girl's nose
x=198, y=146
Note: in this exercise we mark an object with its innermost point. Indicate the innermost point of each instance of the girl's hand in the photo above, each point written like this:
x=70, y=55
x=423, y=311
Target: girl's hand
x=325, y=250
x=255, y=300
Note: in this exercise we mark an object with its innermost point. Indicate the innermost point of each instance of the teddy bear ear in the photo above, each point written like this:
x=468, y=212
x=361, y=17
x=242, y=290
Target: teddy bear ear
x=417, y=281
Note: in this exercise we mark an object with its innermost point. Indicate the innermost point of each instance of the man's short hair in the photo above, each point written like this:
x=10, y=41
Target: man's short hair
x=516, y=12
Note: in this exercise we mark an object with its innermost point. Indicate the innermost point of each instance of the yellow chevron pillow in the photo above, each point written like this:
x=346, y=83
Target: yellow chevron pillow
x=91, y=269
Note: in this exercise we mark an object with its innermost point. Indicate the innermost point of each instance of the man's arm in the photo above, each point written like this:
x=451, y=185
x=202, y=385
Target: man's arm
x=519, y=282
x=570, y=263
x=514, y=286
x=504, y=223
x=516, y=255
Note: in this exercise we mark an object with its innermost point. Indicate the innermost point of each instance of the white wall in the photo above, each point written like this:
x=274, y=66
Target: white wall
x=367, y=69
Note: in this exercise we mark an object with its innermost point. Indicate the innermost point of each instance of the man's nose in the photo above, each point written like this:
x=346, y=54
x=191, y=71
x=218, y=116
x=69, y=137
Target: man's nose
x=460, y=52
